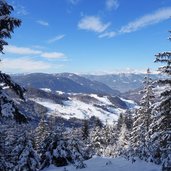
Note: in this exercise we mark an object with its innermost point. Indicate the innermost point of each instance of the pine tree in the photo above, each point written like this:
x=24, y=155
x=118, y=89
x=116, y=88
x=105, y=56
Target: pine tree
x=85, y=130
x=8, y=136
x=108, y=140
x=161, y=126
x=11, y=134
x=7, y=25
x=106, y=134
x=62, y=150
x=96, y=139
x=123, y=129
x=120, y=122
x=123, y=140
x=5, y=163
x=147, y=100
x=26, y=158
x=129, y=119
x=98, y=123
x=41, y=133
x=142, y=121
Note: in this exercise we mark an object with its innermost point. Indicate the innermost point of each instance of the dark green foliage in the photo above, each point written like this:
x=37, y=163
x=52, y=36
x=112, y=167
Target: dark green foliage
x=7, y=23
x=85, y=130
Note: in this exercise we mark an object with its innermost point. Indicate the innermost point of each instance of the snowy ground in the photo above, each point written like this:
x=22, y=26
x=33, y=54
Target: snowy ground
x=110, y=164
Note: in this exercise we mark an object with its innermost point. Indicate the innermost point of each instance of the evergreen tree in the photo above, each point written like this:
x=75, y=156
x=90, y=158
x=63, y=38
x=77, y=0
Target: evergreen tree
x=123, y=140
x=11, y=134
x=147, y=100
x=142, y=121
x=26, y=158
x=98, y=123
x=41, y=133
x=97, y=141
x=106, y=134
x=124, y=127
x=129, y=119
x=7, y=25
x=62, y=150
x=5, y=159
x=120, y=122
x=85, y=130
x=161, y=126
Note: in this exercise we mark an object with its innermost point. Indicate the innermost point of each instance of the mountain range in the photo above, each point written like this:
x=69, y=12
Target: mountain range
x=70, y=96
x=123, y=82
x=65, y=82
x=110, y=84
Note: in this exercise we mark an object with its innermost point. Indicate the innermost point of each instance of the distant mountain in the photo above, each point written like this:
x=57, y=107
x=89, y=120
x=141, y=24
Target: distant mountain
x=122, y=82
x=66, y=82
x=70, y=97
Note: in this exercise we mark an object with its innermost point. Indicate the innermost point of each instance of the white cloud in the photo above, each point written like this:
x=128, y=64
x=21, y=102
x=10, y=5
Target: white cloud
x=21, y=50
x=108, y=34
x=43, y=23
x=23, y=65
x=93, y=23
x=146, y=20
x=28, y=51
x=112, y=4
x=53, y=55
x=56, y=38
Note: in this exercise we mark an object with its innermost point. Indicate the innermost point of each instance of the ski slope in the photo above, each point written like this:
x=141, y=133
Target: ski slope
x=110, y=164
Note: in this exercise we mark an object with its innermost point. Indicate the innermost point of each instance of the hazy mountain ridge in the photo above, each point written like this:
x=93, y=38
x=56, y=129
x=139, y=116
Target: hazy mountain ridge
x=122, y=82
x=66, y=82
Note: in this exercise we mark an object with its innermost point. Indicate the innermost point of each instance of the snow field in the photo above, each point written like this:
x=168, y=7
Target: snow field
x=81, y=110
x=110, y=164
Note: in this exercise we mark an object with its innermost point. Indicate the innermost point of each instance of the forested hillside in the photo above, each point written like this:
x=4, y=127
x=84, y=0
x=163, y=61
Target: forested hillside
x=68, y=122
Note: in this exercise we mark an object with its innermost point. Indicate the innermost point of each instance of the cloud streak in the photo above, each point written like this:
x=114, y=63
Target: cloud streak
x=43, y=23
x=147, y=20
x=53, y=55
x=108, y=34
x=93, y=23
x=56, y=38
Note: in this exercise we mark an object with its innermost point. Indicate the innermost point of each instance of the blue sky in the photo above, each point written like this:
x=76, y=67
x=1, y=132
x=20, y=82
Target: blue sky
x=87, y=36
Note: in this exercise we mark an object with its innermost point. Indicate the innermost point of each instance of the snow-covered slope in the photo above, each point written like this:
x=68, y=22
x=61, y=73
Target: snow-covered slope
x=110, y=164
x=83, y=106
